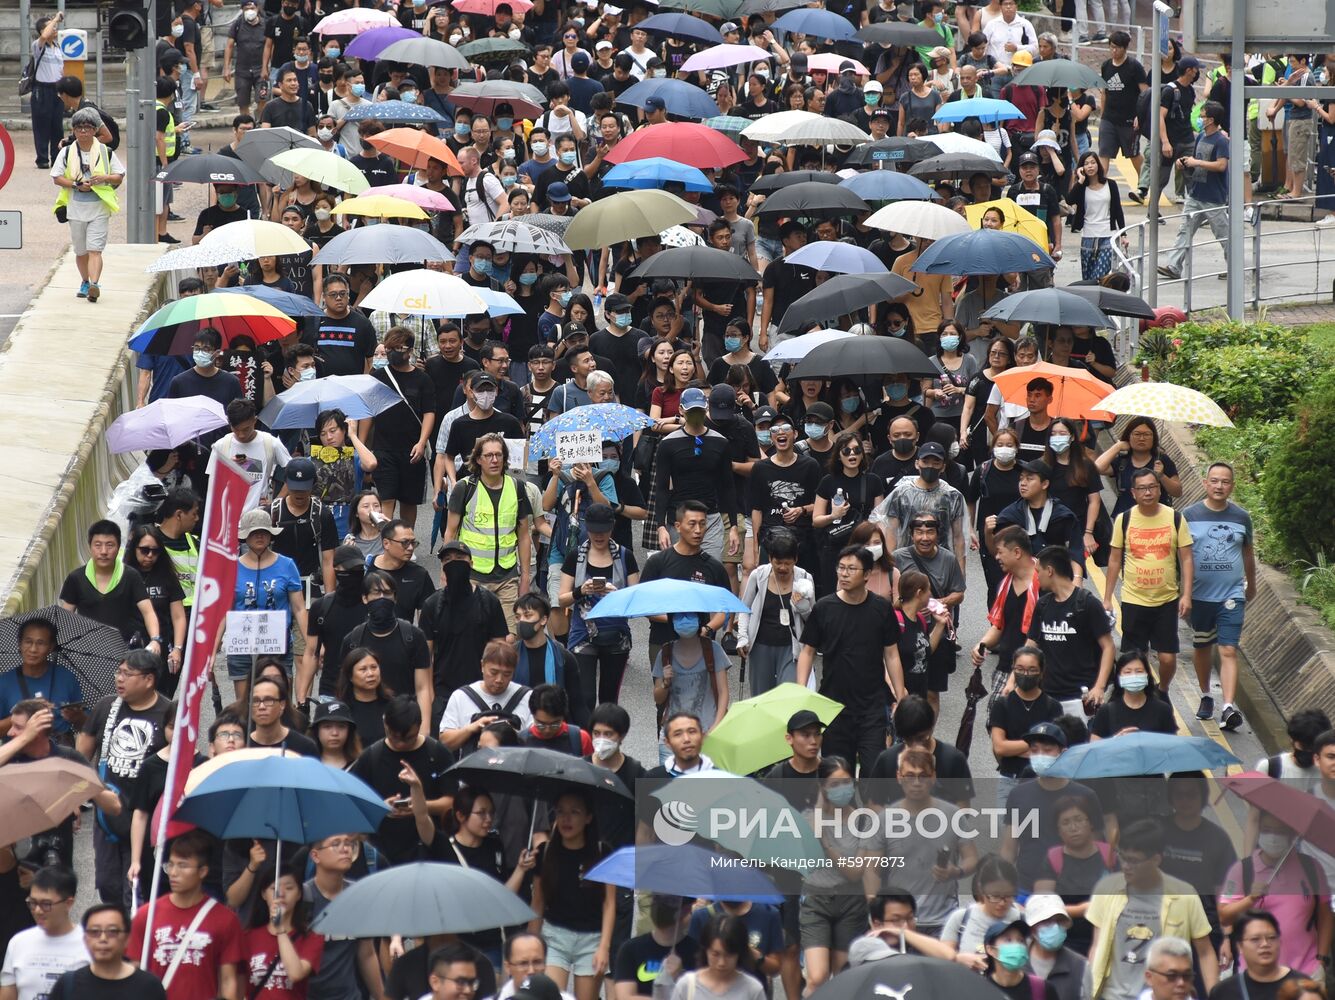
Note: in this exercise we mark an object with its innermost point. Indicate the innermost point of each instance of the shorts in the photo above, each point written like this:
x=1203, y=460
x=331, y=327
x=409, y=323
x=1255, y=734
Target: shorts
x=1115, y=139
x=831, y=921
x=1150, y=627
x=398, y=479
x=1302, y=143
x=247, y=85
x=570, y=950
x=768, y=248
x=554, y=585
x=790, y=915
x=736, y=558
x=1217, y=622
x=88, y=237
x=239, y=667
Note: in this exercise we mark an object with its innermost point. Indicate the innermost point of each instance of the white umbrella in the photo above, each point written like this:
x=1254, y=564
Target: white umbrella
x=354, y=22
x=919, y=218
x=514, y=236
x=724, y=56
x=199, y=255
x=679, y=236
x=257, y=237
x=425, y=293
x=804, y=128
x=797, y=348
x=953, y=142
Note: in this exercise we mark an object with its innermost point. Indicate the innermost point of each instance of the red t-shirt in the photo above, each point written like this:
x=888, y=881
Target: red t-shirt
x=215, y=943
x=669, y=400
x=260, y=948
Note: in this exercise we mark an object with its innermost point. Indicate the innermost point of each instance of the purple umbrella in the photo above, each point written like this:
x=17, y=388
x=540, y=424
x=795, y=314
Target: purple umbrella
x=165, y=423
x=370, y=44
x=725, y=56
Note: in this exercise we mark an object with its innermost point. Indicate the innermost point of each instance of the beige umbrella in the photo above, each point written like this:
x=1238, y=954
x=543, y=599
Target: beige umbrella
x=41, y=795
x=627, y=216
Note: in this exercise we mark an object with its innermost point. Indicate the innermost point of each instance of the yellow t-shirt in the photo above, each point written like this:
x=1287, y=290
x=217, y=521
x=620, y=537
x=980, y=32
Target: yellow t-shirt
x=1149, y=557
x=924, y=305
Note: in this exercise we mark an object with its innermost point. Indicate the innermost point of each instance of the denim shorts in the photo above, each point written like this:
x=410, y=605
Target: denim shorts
x=570, y=950
x=1217, y=622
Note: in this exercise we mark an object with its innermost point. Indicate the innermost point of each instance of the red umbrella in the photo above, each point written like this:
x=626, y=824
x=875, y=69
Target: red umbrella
x=686, y=142
x=1304, y=814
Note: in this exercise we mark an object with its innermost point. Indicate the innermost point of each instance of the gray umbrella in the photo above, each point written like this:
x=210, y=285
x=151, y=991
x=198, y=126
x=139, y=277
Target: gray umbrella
x=257, y=145
x=421, y=899
x=1051, y=306
x=557, y=224
x=384, y=244
x=424, y=52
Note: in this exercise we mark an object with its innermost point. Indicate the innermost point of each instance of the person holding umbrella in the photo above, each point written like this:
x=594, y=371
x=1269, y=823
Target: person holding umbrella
x=40, y=675
x=278, y=949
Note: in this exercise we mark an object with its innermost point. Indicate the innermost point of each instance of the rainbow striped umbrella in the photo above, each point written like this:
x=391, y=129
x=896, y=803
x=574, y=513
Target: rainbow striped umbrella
x=172, y=329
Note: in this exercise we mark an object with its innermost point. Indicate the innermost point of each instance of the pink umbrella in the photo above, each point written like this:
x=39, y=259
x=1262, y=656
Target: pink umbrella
x=724, y=56
x=375, y=41
x=831, y=61
x=488, y=7
x=354, y=21
x=419, y=196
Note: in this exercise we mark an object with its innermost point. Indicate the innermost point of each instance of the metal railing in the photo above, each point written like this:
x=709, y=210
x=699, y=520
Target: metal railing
x=1140, y=34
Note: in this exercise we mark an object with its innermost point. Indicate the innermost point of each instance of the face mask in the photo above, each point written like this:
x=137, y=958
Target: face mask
x=1042, y=764
x=1060, y=444
x=897, y=392
x=528, y=278
x=622, y=320
x=814, y=431
x=505, y=124
x=358, y=90
x=579, y=21
x=1026, y=682
x=456, y=580
x=605, y=747
x=481, y=266
x=399, y=358
x=178, y=30
x=876, y=551
x=839, y=795
x=408, y=97
x=325, y=134
x=349, y=581
x=252, y=16
x=485, y=400
x=515, y=33
x=954, y=449
x=226, y=201
x=929, y=474
x=289, y=9
x=455, y=39
x=301, y=60
x=938, y=17
x=568, y=157
x=607, y=467
x=526, y=630
x=849, y=404
x=904, y=447
x=379, y=363
x=566, y=297
x=1051, y=936
x=508, y=180
x=308, y=375
x=659, y=73
x=950, y=343
x=323, y=215
x=763, y=437
x=462, y=129
x=686, y=625
x=1134, y=682
x=539, y=149
x=508, y=155
x=1304, y=758
x=380, y=614
x=1013, y=955
x=334, y=52
x=871, y=100
x=202, y=359
x=1274, y=844
x=1004, y=454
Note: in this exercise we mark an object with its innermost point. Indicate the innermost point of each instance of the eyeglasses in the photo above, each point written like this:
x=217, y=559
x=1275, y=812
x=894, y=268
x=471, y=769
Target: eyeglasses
x=85, y=128
x=1176, y=977
x=178, y=866
x=104, y=932
x=467, y=985
x=43, y=905
x=148, y=550
x=230, y=737
x=123, y=672
x=265, y=702
x=998, y=897
x=1146, y=488
x=1265, y=939
x=408, y=543
x=547, y=727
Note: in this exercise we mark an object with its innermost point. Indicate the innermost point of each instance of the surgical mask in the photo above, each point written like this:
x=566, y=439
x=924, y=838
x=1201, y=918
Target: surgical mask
x=226, y=201
x=1004, y=454
x=686, y=625
x=938, y=17
x=456, y=38
x=950, y=342
x=1042, y=764
x=539, y=149
x=849, y=404
x=252, y=16
x=731, y=344
x=1274, y=844
x=526, y=630
x=876, y=551
x=325, y=134
x=202, y=359
x=1134, y=682
x=929, y=474
x=508, y=154
x=323, y=215
x=333, y=53
x=871, y=100
x=307, y=375
x=814, y=430
x=566, y=297
x=380, y=614
x=505, y=124
x=568, y=157
x=659, y=73
x=840, y=794
x=508, y=180
x=358, y=90
x=763, y=437
x=462, y=129
x=301, y=60
x=529, y=278
x=379, y=363
x=607, y=467
x=622, y=320
x=485, y=400
x=954, y=449
x=515, y=33
x=178, y=30
x=904, y=447
x=605, y=747
x=1051, y=936
x=408, y=96
x=481, y=266
x=1060, y=443
x=1013, y=955
x=1027, y=682
x=897, y=392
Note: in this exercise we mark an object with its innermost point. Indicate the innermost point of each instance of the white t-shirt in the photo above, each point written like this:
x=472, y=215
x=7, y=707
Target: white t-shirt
x=86, y=206
x=474, y=210
x=259, y=458
x=461, y=708
x=1098, y=213
x=35, y=960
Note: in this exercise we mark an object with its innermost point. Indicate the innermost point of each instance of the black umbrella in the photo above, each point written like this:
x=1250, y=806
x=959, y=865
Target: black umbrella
x=1048, y=306
x=773, y=182
x=535, y=773
x=1112, y=302
x=842, y=295
x=211, y=168
x=696, y=262
x=903, y=977
x=973, y=694
x=812, y=199
x=863, y=356
x=90, y=650
x=768, y=6
x=949, y=165
x=899, y=33
x=892, y=150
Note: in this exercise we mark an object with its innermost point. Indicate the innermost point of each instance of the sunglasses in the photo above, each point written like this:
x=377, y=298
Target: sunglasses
x=148, y=550
x=852, y=452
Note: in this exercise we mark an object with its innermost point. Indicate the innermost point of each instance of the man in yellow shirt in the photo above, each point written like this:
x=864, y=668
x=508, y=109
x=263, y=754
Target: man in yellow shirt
x=931, y=302
x=1152, y=543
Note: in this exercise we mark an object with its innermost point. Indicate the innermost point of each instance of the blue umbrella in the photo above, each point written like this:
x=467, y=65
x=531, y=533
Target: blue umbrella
x=654, y=172
x=685, y=100
x=983, y=251
x=689, y=870
x=358, y=396
x=393, y=111
x=676, y=25
x=816, y=23
x=888, y=185
x=987, y=109
x=837, y=258
x=289, y=302
x=1136, y=754
x=499, y=303
x=666, y=597
x=614, y=421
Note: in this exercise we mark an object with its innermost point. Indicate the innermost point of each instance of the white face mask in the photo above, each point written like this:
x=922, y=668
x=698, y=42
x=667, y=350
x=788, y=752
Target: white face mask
x=605, y=747
x=178, y=30
x=323, y=214
x=515, y=33
x=325, y=134
x=485, y=400
x=876, y=551
x=1004, y=454
x=252, y=16
x=1274, y=844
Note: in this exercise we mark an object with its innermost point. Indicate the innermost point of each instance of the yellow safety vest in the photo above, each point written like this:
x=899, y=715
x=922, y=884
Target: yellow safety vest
x=186, y=566
x=101, y=159
x=169, y=133
x=490, y=534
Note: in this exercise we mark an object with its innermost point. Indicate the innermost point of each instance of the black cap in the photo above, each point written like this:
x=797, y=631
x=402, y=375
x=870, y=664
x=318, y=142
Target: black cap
x=1049, y=731
x=1038, y=467
x=765, y=415
x=484, y=378
x=848, y=66
x=332, y=711
x=349, y=557
x=803, y=719
x=574, y=329
x=299, y=474
x=1029, y=159
x=599, y=517
x=930, y=449
x=538, y=987
x=452, y=548
x=722, y=403
x=821, y=411
x=579, y=62
x=1000, y=927
x=654, y=104
x=615, y=303
x=797, y=64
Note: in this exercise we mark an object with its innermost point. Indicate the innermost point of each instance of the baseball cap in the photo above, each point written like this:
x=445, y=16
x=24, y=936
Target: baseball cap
x=579, y=62
x=821, y=411
x=722, y=403
x=603, y=44
x=574, y=329
x=348, y=557
x=1044, y=906
x=1038, y=467
x=848, y=66
x=868, y=948
x=1188, y=62
x=881, y=113
x=1022, y=58
x=615, y=303
x=170, y=59
x=558, y=191
x=599, y=517
x=728, y=26
x=693, y=399
x=299, y=473
x=1046, y=731
x=484, y=379
x=930, y=449
x=765, y=415
x=1000, y=927
x=654, y=104
x=331, y=711
x=453, y=548
x=1029, y=159
x=800, y=720
x=873, y=87
x=797, y=64
x=940, y=52
x=538, y=987
x=610, y=9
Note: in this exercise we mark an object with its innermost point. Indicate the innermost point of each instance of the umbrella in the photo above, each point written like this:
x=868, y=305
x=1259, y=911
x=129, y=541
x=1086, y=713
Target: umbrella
x=666, y=597
x=432, y=201
x=614, y=421
x=43, y=794
x=536, y=773
x=487, y=8
x=982, y=251
x=888, y=185
x=1137, y=754
x=679, y=236
x=776, y=182
x=1017, y=219
x=899, y=33
x=751, y=735
x=493, y=49
x=987, y=109
x=354, y=21
x=831, y=61
x=257, y=237
x=730, y=124
x=525, y=100
x=393, y=111
x=725, y=57
x=258, y=146
x=837, y=258
x=949, y=165
x=1059, y=73
x=1051, y=306
x=211, y=168
x=685, y=142
x=804, y=128
x=975, y=692
x=90, y=650
x=903, y=976
x=768, y=6
x=917, y=218
x=199, y=255
x=626, y=215
x=864, y=356
x=172, y=329
x=422, y=292
x=817, y=23
x=813, y=200
x=421, y=51
x=1303, y=813
x=421, y=899
x=654, y=172
x=215, y=764
x=696, y=262
x=554, y=224
x=682, y=26
x=369, y=44
x=327, y=168
x=289, y=303
x=358, y=396
x=844, y=295
x=514, y=236
x=711, y=8
x=891, y=149
x=498, y=303
x=388, y=244
x=690, y=871
x=380, y=206
x=685, y=100
x=1112, y=302
x=1165, y=401
x=797, y=348
x=1076, y=392
x=953, y=142
x=164, y=423
x=416, y=148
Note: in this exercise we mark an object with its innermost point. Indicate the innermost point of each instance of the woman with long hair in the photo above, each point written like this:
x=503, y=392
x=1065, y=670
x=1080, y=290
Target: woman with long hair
x=656, y=359
x=361, y=688
x=884, y=575
x=845, y=498
x=955, y=369
x=144, y=552
x=975, y=414
x=727, y=969
x=341, y=461
x=995, y=881
x=1076, y=483
x=1136, y=449
x=919, y=634
x=850, y=409
x=365, y=518
x=335, y=733
x=279, y=950
x=1098, y=215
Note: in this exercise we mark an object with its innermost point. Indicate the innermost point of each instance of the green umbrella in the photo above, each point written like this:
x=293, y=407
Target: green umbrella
x=751, y=735
x=729, y=124
x=493, y=49
x=627, y=216
x=710, y=8
x=326, y=168
x=1060, y=73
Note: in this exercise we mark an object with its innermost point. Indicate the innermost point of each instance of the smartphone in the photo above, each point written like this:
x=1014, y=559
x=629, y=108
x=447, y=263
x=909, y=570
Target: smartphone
x=599, y=581
x=943, y=858
x=401, y=801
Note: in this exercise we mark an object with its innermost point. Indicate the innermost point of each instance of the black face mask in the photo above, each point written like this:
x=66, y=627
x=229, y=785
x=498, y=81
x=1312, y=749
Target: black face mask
x=1304, y=758
x=397, y=358
x=1026, y=682
x=929, y=474
x=456, y=580
x=380, y=614
x=349, y=582
x=526, y=630
x=904, y=447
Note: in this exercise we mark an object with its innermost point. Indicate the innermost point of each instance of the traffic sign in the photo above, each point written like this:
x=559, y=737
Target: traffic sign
x=11, y=230
x=74, y=44
x=6, y=156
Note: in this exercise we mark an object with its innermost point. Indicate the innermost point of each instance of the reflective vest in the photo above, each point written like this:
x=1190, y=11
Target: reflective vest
x=489, y=533
x=98, y=160
x=169, y=133
x=186, y=565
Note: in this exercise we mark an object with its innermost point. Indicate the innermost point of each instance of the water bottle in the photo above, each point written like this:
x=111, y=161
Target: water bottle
x=597, y=301
x=839, y=501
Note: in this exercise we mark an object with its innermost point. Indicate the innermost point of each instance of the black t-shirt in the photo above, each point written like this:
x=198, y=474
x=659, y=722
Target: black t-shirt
x=343, y=345
x=459, y=636
x=369, y=717
x=774, y=488
x=853, y=638
x=860, y=493
x=81, y=984
x=283, y=32
x=399, y=427
x=379, y=767
x=1231, y=988
x=220, y=386
x=293, y=741
x=1155, y=716
x=465, y=431
x=640, y=959
x=445, y=376
x=1014, y=716
x=118, y=607
x=694, y=468
x=215, y=216
x=401, y=653
x=784, y=284
x=297, y=114
x=164, y=589
x=1073, y=498
x=954, y=778
x=890, y=470
x=802, y=790
x=1123, y=91
x=624, y=353
x=576, y=904
x=329, y=620
x=992, y=489
x=614, y=814
x=136, y=735
x=305, y=536
x=1023, y=991
x=1068, y=632
x=669, y=564
x=1201, y=858
x=1030, y=795
x=379, y=170
x=762, y=373
x=414, y=587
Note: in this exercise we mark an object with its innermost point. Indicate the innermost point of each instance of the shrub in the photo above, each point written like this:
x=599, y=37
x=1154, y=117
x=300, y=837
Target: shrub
x=1300, y=476
x=1248, y=448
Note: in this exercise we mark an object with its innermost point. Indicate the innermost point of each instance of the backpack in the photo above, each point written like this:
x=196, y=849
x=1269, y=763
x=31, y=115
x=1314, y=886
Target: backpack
x=507, y=711
x=1274, y=766
x=573, y=733
x=315, y=514
x=1310, y=883
x=405, y=634
x=1057, y=858
x=480, y=189
x=707, y=646
x=1177, y=526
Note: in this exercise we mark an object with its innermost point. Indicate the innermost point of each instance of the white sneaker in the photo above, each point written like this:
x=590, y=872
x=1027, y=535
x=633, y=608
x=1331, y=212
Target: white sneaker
x=1327, y=221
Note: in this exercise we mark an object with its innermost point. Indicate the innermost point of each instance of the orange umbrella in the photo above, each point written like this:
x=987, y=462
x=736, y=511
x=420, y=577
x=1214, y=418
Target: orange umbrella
x=1076, y=392
x=415, y=148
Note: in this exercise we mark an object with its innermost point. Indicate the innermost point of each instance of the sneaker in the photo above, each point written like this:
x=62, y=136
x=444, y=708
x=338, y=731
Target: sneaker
x=83, y=290
x=1099, y=36
x=1136, y=195
x=1206, y=710
x=173, y=217
x=1231, y=719
x=1326, y=222
x=93, y=291
x=168, y=238
x=208, y=107
x=1168, y=272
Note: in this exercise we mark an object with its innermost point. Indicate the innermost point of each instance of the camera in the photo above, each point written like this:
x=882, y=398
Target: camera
x=41, y=851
